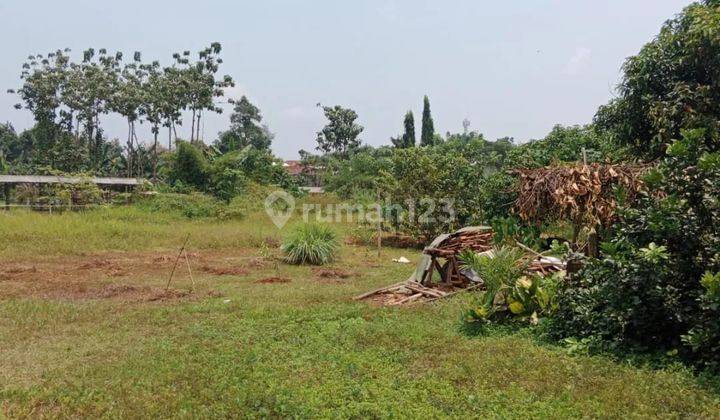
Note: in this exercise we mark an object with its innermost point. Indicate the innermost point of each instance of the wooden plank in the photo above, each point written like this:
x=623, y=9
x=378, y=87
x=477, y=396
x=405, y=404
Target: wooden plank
x=424, y=290
x=408, y=299
x=380, y=290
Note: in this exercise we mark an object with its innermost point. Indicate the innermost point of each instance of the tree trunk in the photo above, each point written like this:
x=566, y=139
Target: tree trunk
x=130, y=150
x=198, y=125
x=593, y=243
x=155, y=155
x=192, y=127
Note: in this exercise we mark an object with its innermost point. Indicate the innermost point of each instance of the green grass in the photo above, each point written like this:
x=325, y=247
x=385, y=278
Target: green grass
x=299, y=349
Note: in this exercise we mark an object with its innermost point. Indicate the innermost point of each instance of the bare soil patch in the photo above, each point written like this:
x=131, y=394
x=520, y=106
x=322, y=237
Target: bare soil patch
x=271, y=280
x=123, y=292
x=224, y=271
x=95, y=276
x=333, y=273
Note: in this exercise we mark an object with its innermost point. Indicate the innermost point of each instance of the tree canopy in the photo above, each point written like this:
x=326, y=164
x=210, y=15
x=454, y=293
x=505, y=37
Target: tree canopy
x=673, y=83
x=427, y=137
x=341, y=134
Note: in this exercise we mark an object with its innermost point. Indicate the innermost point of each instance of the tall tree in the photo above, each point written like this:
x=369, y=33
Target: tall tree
x=200, y=84
x=246, y=128
x=407, y=139
x=127, y=100
x=152, y=106
x=173, y=101
x=409, y=135
x=341, y=133
x=673, y=83
x=43, y=81
x=427, y=136
x=88, y=91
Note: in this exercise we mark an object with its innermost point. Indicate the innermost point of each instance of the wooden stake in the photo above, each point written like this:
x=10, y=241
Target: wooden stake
x=167, y=287
x=187, y=260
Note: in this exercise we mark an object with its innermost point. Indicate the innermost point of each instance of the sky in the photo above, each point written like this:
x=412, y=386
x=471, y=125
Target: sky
x=513, y=68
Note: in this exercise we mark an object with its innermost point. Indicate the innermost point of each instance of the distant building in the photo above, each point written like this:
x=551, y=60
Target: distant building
x=306, y=175
x=294, y=167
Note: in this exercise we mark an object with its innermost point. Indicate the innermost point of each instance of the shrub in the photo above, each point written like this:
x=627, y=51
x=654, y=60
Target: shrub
x=442, y=188
x=311, y=244
x=646, y=293
x=357, y=175
x=191, y=206
x=508, y=292
x=189, y=166
x=230, y=173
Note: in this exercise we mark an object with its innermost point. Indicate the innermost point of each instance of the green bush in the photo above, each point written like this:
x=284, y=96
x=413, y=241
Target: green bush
x=311, y=244
x=188, y=166
x=509, y=294
x=646, y=293
x=356, y=176
x=191, y=206
x=442, y=188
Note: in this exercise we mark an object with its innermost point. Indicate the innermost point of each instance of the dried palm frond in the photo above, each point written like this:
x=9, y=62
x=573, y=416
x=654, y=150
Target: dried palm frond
x=583, y=194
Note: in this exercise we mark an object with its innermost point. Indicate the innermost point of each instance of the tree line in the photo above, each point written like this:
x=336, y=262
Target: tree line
x=68, y=98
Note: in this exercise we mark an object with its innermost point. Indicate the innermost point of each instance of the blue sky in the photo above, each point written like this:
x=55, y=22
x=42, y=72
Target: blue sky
x=513, y=68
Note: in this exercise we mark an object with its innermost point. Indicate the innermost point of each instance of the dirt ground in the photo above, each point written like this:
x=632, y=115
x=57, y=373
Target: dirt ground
x=127, y=276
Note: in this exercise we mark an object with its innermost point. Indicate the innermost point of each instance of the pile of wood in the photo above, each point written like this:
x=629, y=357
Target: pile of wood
x=441, y=256
x=407, y=292
x=543, y=266
x=444, y=252
x=583, y=194
x=475, y=238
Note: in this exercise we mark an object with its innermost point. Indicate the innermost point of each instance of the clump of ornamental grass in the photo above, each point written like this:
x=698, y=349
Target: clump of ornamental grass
x=311, y=244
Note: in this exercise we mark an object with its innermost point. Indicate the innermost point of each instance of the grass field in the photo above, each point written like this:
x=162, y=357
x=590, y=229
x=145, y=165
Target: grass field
x=86, y=330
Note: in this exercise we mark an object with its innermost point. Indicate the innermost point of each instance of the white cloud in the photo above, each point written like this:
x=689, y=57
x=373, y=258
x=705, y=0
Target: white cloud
x=578, y=61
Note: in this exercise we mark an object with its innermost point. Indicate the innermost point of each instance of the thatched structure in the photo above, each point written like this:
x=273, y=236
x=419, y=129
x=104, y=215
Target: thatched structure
x=586, y=195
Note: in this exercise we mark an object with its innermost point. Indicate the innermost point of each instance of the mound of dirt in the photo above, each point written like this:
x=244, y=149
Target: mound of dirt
x=224, y=271
x=257, y=262
x=110, y=268
x=270, y=280
x=15, y=271
x=120, y=291
x=332, y=273
x=215, y=294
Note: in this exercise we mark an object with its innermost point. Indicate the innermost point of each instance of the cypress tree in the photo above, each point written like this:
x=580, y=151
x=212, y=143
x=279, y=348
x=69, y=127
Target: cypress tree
x=427, y=136
x=409, y=136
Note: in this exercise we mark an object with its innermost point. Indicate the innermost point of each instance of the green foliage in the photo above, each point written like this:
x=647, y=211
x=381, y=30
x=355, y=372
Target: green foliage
x=427, y=136
x=704, y=337
x=645, y=293
x=431, y=192
x=191, y=206
x=564, y=144
x=341, y=133
x=670, y=85
x=311, y=244
x=189, y=166
x=359, y=174
x=245, y=129
x=508, y=293
x=82, y=193
x=408, y=137
x=68, y=99
x=508, y=230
